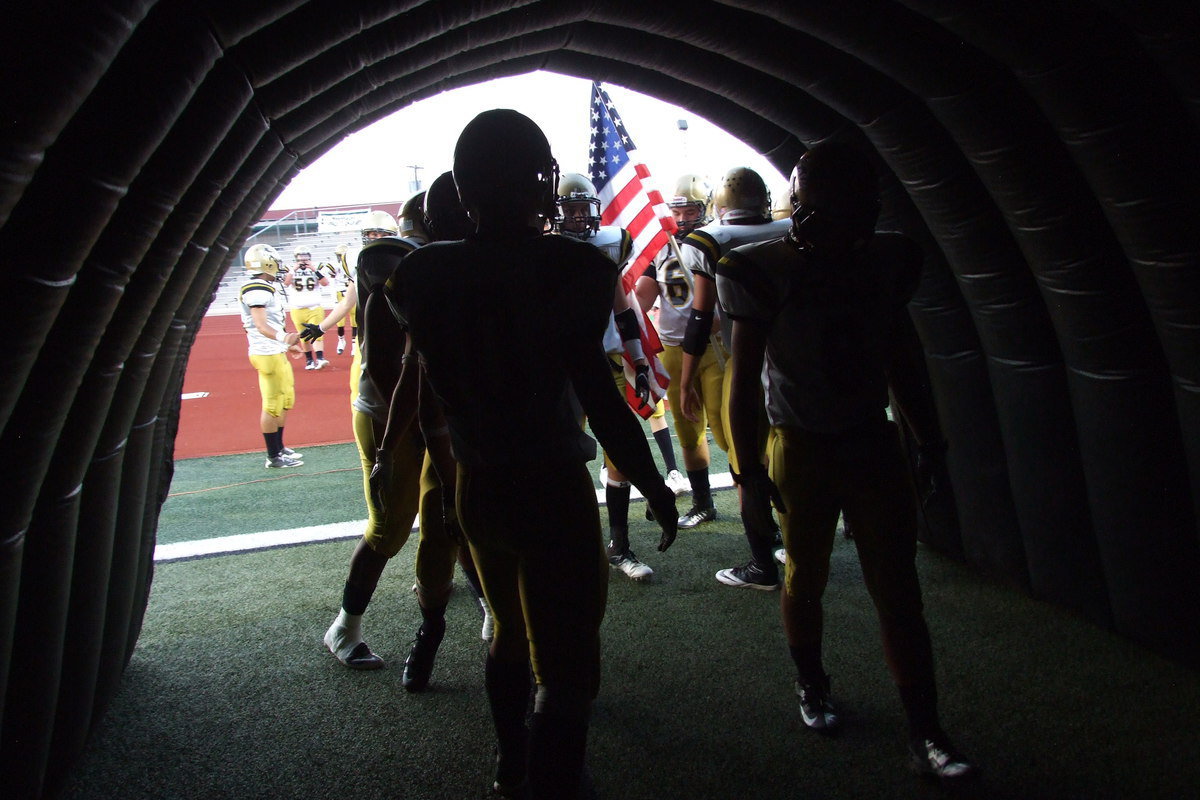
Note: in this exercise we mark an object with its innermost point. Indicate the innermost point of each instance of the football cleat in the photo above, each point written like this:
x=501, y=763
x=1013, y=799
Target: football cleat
x=311, y=365
x=341, y=347
x=815, y=708
x=697, y=516
x=677, y=483
x=350, y=649
x=935, y=757
x=320, y=363
x=628, y=563
x=289, y=452
x=750, y=576
x=281, y=461
x=418, y=667
x=781, y=555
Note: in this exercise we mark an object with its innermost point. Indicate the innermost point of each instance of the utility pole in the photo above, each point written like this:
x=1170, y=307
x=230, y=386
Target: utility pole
x=414, y=185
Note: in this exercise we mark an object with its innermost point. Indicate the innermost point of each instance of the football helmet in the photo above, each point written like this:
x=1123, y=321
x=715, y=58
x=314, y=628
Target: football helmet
x=412, y=219
x=445, y=217
x=691, y=192
x=503, y=163
x=577, y=194
x=834, y=192
x=378, y=222
x=262, y=259
x=743, y=193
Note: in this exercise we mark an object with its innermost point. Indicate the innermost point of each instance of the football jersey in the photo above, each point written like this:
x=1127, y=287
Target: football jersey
x=305, y=291
x=703, y=247
x=373, y=264
x=257, y=293
x=829, y=325
x=470, y=305
x=675, y=297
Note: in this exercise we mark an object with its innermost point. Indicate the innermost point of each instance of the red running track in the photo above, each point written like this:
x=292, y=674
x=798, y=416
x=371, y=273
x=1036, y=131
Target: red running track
x=226, y=420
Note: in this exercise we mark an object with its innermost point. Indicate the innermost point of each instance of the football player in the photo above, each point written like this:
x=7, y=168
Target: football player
x=262, y=317
x=408, y=481
x=579, y=217
x=524, y=495
x=824, y=311
x=666, y=282
x=743, y=208
x=307, y=307
x=344, y=280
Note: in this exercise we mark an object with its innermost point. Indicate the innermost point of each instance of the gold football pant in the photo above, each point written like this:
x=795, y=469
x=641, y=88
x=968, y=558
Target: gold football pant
x=535, y=537
x=276, y=382
x=861, y=473
x=415, y=489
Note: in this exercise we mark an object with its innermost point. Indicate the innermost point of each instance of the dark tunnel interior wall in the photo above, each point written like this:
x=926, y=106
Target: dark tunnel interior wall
x=1044, y=155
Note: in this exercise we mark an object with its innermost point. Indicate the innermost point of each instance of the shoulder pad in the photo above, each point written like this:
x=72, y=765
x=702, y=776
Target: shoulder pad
x=704, y=241
x=256, y=285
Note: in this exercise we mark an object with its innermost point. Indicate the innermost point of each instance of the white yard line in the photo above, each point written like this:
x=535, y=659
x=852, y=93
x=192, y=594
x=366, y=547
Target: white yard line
x=334, y=531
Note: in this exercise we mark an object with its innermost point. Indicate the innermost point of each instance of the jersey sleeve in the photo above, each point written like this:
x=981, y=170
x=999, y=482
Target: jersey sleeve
x=746, y=292
x=700, y=252
x=257, y=295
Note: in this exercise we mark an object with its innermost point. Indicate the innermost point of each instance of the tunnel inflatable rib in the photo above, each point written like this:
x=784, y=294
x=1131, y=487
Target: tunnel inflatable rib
x=1043, y=154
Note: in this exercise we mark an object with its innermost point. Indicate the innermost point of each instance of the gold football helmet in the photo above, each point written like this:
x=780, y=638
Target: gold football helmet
x=576, y=194
x=693, y=199
x=380, y=223
x=742, y=190
x=262, y=259
x=412, y=219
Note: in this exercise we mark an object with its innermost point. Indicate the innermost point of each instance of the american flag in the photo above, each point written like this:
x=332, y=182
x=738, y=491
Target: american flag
x=626, y=201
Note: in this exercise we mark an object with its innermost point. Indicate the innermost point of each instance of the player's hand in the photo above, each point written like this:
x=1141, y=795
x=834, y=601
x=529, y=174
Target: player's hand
x=759, y=494
x=311, y=332
x=641, y=383
x=689, y=398
x=380, y=480
x=662, y=504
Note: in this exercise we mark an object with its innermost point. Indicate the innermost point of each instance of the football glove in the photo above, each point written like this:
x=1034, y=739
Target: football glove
x=661, y=501
x=641, y=383
x=311, y=332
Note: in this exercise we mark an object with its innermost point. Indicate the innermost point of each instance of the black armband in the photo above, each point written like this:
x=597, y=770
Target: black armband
x=699, y=329
x=627, y=325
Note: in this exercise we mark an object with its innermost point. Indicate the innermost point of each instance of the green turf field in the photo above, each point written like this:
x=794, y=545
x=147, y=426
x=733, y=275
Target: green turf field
x=230, y=693
x=230, y=495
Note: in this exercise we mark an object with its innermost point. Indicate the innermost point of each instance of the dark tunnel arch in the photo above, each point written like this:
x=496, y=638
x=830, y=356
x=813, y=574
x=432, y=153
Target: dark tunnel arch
x=1044, y=154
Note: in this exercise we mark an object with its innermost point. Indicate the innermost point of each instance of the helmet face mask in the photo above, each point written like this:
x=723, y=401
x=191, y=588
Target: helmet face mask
x=691, y=204
x=263, y=259
x=578, y=207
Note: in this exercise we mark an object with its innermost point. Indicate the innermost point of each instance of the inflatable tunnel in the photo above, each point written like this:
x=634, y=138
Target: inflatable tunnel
x=1044, y=154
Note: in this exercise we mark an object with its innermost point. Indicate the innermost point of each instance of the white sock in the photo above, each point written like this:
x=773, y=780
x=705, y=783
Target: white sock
x=344, y=634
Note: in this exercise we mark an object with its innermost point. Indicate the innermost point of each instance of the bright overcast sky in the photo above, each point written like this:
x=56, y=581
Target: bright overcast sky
x=374, y=164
